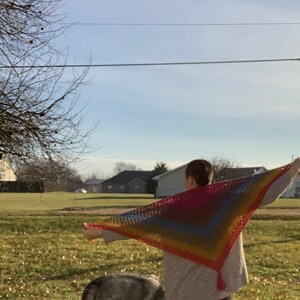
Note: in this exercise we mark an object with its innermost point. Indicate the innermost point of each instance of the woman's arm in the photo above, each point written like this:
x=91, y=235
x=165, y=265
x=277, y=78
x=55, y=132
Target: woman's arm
x=108, y=236
x=91, y=233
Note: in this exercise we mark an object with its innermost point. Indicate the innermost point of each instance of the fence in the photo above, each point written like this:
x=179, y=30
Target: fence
x=22, y=186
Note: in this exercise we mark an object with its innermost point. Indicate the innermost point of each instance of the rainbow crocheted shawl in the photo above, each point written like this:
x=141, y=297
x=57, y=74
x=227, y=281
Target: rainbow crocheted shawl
x=202, y=224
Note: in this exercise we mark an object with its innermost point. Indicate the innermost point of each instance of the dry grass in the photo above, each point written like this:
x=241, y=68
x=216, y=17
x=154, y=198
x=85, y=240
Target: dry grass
x=43, y=255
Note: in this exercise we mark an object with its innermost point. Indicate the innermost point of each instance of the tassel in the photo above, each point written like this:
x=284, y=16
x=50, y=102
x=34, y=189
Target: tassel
x=221, y=283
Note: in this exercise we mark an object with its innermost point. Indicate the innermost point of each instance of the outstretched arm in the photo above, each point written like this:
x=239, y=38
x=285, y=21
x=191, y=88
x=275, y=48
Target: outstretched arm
x=108, y=236
x=281, y=184
x=91, y=233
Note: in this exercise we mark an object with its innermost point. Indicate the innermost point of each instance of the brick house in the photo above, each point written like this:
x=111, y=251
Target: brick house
x=132, y=182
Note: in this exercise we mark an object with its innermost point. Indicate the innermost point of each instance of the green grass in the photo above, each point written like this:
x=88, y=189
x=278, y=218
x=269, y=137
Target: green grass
x=285, y=203
x=47, y=258
x=17, y=202
x=43, y=255
x=12, y=202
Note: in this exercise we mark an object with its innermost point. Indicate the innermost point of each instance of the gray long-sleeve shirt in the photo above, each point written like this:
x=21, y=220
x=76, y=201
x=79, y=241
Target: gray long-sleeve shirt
x=187, y=280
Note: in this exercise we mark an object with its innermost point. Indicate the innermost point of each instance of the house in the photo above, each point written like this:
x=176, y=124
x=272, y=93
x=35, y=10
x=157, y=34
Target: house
x=94, y=185
x=127, y=182
x=6, y=172
x=231, y=173
x=294, y=191
x=9, y=182
x=172, y=182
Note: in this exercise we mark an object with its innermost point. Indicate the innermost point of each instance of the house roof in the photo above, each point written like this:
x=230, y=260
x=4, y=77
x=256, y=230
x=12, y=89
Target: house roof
x=240, y=172
x=127, y=176
x=228, y=172
x=94, y=181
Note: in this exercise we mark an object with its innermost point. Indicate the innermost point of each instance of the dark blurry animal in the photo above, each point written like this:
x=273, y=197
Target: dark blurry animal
x=124, y=286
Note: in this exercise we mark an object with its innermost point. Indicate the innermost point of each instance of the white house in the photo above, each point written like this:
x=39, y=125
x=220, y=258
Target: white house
x=6, y=172
x=172, y=182
x=294, y=191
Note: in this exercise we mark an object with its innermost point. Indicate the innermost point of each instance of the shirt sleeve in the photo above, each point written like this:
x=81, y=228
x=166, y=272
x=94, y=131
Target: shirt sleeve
x=280, y=185
x=111, y=236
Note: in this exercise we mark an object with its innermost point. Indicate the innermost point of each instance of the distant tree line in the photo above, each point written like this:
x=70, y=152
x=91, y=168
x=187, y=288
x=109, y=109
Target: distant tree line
x=55, y=177
x=22, y=186
x=151, y=184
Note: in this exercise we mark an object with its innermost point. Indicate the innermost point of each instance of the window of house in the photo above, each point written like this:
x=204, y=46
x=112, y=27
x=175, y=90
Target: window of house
x=136, y=187
x=109, y=187
x=122, y=187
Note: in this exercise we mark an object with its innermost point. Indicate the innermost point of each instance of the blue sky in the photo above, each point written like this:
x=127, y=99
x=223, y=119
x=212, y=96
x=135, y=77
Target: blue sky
x=247, y=112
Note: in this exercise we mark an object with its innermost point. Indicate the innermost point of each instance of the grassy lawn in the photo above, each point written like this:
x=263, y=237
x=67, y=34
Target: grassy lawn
x=43, y=255
x=13, y=202
x=16, y=202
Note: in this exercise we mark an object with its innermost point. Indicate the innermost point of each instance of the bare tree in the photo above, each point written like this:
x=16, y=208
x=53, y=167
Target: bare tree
x=223, y=167
x=56, y=177
x=123, y=166
x=95, y=174
x=39, y=115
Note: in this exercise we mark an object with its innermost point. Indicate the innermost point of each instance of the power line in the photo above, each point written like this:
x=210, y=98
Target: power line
x=185, y=24
x=151, y=64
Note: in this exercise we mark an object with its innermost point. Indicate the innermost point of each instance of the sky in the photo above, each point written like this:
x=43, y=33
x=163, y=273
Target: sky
x=247, y=112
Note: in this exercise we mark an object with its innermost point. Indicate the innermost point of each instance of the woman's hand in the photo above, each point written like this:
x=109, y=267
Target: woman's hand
x=91, y=233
